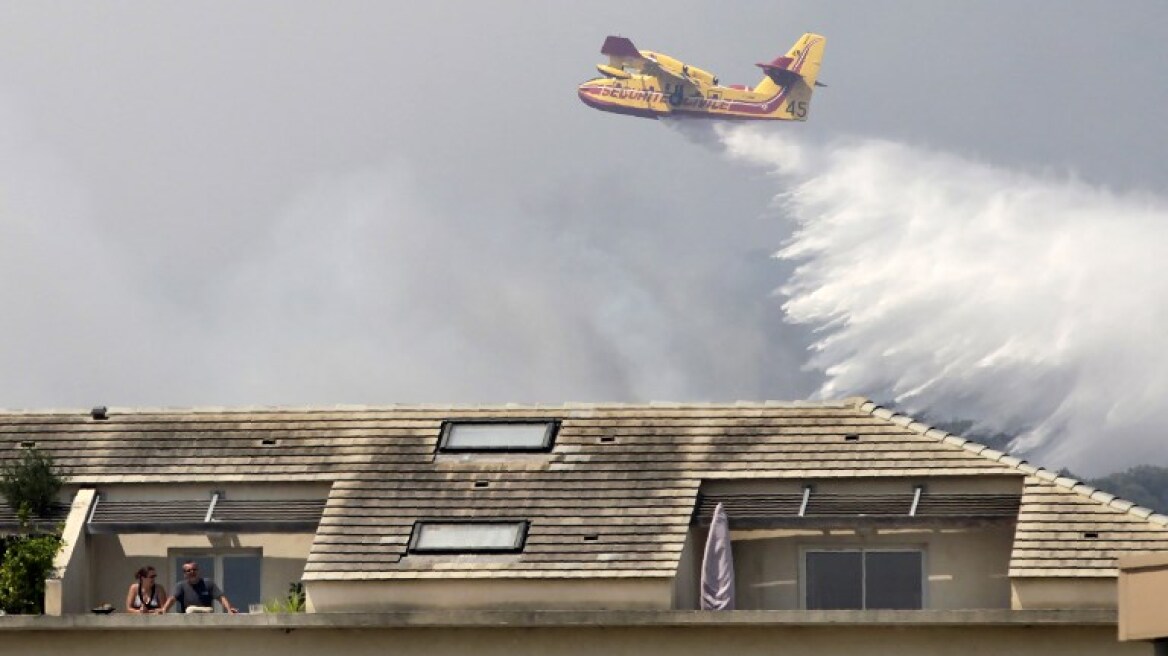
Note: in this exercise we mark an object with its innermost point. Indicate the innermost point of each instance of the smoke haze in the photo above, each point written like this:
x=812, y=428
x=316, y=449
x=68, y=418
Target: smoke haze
x=224, y=203
x=1028, y=302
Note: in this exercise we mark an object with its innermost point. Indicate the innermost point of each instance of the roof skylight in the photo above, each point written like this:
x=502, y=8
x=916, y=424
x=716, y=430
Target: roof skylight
x=526, y=435
x=468, y=536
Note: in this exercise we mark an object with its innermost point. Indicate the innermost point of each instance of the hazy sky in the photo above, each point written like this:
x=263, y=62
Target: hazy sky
x=316, y=203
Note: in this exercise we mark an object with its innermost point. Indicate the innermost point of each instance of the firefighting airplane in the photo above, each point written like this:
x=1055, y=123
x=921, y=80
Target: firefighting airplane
x=653, y=85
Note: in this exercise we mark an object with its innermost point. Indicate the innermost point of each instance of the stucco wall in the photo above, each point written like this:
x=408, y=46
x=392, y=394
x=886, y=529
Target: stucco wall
x=687, y=594
x=1082, y=592
x=353, y=639
x=67, y=591
x=495, y=594
x=1143, y=580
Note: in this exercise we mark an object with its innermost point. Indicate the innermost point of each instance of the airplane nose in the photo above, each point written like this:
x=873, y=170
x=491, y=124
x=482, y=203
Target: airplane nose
x=583, y=95
x=587, y=94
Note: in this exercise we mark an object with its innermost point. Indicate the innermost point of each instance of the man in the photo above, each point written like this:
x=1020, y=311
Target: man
x=195, y=591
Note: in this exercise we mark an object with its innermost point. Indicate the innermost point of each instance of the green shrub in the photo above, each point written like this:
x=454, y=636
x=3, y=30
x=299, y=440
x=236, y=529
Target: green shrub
x=293, y=603
x=31, y=484
x=28, y=561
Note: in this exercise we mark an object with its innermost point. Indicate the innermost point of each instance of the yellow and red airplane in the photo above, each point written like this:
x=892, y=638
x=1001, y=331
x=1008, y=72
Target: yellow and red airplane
x=653, y=85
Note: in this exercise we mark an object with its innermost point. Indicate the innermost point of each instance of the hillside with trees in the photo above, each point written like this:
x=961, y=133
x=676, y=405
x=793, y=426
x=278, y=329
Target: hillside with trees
x=1146, y=485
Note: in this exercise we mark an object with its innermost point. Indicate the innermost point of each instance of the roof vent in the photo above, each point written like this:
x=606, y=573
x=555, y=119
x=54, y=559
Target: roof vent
x=482, y=484
x=99, y=413
x=269, y=441
x=27, y=444
x=607, y=439
x=851, y=437
x=1091, y=535
x=594, y=537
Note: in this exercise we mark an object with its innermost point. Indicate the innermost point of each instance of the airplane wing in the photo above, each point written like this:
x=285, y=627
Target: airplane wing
x=652, y=67
x=621, y=51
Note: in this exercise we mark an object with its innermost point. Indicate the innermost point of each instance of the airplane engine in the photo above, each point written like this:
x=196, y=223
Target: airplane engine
x=611, y=71
x=704, y=76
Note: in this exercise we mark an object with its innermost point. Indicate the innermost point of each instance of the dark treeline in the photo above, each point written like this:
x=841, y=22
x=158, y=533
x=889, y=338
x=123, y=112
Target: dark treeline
x=1147, y=485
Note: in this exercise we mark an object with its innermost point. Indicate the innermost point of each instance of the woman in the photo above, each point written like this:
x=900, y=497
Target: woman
x=144, y=596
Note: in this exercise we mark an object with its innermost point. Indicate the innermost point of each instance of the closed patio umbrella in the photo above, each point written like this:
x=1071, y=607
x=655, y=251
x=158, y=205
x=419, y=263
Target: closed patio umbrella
x=718, y=565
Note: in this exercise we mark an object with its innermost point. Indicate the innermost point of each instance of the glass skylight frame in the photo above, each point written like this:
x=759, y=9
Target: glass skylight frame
x=448, y=440
x=418, y=536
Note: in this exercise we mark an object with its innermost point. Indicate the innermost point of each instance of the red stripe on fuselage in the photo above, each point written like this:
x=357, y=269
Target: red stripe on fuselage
x=591, y=97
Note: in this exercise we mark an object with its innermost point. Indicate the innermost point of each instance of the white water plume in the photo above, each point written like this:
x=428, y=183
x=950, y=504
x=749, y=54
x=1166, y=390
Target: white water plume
x=1031, y=304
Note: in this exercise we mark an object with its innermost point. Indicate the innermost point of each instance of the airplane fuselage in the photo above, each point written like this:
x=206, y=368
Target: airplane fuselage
x=639, y=95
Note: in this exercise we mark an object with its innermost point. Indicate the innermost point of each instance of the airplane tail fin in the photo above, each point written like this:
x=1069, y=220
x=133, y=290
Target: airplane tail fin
x=620, y=51
x=798, y=69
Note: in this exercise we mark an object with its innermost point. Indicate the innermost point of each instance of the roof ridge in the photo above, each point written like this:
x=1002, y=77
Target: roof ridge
x=349, y=407
x=977, y=448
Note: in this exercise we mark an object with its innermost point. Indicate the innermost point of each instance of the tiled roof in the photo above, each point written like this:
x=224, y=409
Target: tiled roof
x=200, y=516
x=904, y=507
x=10, y=519
x=1065, y=527
x=1063, y=533
x=614, y=498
